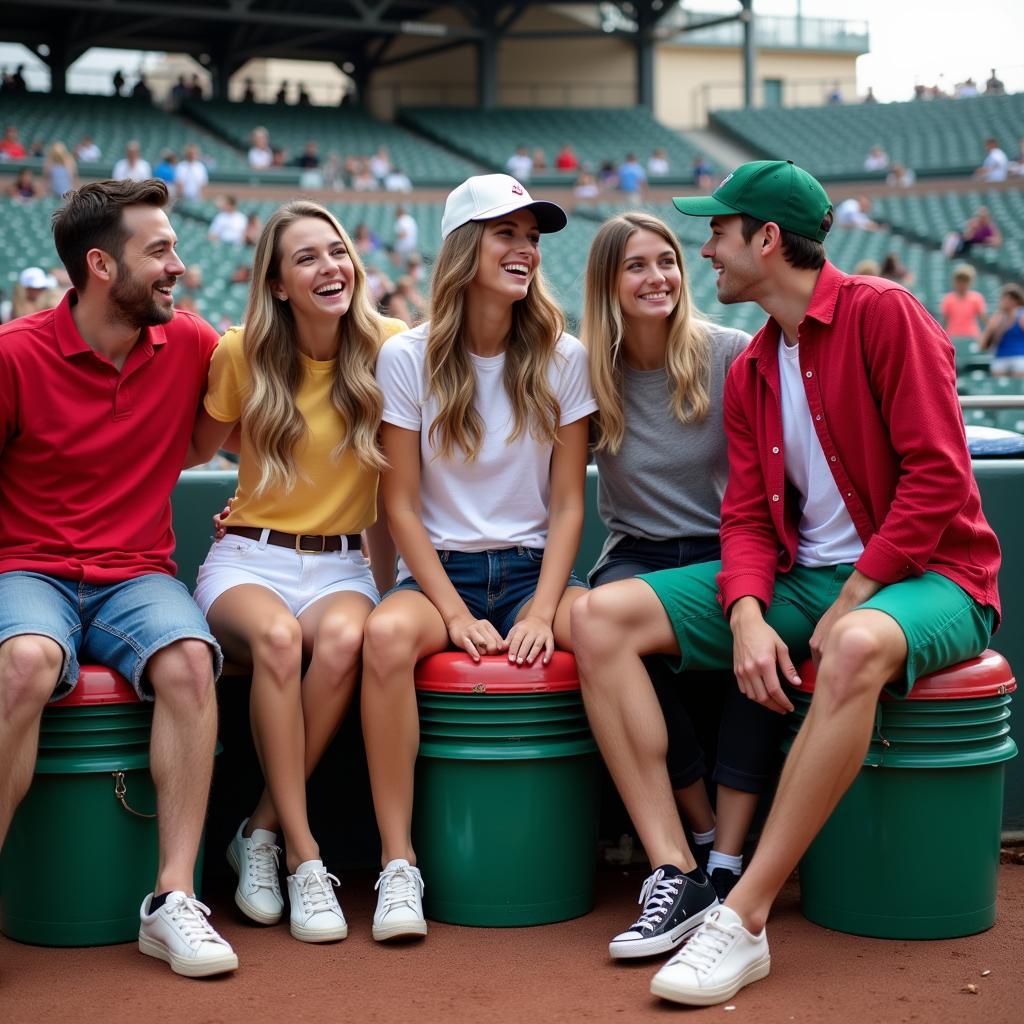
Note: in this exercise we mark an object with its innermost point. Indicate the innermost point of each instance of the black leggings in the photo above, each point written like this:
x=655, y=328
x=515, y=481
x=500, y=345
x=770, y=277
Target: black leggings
x=748, y=734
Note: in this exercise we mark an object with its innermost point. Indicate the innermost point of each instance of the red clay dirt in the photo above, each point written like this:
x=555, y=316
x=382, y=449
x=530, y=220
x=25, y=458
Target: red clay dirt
x=557, y=973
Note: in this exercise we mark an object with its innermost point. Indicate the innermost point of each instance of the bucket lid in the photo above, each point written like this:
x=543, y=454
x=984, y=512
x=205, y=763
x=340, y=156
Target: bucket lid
x=456, y=672
x=988, y=675
x=98, y=685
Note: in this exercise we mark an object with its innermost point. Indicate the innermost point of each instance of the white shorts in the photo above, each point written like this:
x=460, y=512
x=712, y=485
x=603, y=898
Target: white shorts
x=299, y=580
x=1007, y=364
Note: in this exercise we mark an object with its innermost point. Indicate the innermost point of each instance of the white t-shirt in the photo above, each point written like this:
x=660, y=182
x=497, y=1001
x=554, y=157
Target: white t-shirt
x=229, y=226
x=520, y=166
x=260, y=158
x=827, y=533
x=190, y=178
x=500, y=499
x=850, y=215
x=407, y=233
x=396, y=181
x=138, y=171
x=995, y=165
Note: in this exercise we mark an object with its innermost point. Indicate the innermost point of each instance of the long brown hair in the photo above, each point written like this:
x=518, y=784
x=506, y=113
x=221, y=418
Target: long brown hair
x=687, y=351
x=271, y=347
x=537, y=324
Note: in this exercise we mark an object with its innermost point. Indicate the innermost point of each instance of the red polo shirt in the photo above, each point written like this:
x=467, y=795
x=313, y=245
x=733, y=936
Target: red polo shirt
x=89, y=455
x=880, y=379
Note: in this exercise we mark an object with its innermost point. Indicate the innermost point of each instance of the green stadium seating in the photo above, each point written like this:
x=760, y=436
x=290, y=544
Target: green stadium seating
x=937, y=137
x=490, y=136
x=335, y=130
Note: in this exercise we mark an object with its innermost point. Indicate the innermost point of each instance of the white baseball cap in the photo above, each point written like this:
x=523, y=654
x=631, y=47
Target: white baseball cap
x=487, y=196
x=36, y=277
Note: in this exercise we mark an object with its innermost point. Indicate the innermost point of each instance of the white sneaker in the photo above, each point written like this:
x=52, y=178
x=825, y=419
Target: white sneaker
x=315, y=912
x=399, y=911
x=258, y=895
x=179, y=934
x=720, y=958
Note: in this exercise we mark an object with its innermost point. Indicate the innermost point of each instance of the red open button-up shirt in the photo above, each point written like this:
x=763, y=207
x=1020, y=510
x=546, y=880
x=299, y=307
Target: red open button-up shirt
x=880, y=380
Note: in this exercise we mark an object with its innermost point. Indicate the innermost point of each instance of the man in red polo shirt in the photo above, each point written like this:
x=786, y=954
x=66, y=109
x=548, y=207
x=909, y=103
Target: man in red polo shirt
x=851, y=530
x=97, y=402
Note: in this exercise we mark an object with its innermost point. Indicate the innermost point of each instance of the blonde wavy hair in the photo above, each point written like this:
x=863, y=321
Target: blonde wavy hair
x=688, y=350
x=537, y=324
x=271, y=346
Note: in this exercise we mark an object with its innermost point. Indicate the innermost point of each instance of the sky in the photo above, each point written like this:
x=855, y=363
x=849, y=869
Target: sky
x=912, y=41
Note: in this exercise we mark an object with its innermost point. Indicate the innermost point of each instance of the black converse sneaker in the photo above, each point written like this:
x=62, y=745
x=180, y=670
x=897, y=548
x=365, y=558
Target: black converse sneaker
x=723, y=880
x=674, y=905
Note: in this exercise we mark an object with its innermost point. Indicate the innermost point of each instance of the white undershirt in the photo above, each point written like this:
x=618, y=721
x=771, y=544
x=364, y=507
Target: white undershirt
x=827, y=533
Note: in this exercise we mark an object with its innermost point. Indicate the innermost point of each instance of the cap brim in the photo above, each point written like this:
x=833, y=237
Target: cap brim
x=550, y=216
x=703, y=206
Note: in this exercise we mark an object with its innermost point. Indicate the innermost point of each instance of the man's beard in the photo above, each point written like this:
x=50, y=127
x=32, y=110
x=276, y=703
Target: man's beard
x=134, y=303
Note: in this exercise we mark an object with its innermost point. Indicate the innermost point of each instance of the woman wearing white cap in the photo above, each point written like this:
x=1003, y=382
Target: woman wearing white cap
x=485, y=432
x=36, y=290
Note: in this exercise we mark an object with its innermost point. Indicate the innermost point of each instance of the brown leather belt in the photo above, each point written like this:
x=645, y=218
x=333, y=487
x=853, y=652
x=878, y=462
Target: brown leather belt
x=303, y=543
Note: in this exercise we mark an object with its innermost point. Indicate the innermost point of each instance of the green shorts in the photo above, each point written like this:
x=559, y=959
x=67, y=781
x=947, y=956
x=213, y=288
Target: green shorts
x=942, y=623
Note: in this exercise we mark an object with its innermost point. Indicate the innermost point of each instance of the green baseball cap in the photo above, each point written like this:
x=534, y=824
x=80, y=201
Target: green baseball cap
x=775, y=190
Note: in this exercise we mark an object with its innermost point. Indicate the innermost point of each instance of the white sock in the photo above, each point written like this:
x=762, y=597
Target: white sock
x=704, y=838
x=725, y=860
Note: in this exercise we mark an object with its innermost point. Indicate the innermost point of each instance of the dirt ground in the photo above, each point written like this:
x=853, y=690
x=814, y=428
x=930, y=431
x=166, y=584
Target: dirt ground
x=548, y=974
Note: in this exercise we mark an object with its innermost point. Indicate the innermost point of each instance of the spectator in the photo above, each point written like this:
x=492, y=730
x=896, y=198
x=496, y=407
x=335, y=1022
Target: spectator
x=195, y=88
x=876, y=160
x=869, y=96
x=35, y=291
x=168, y=166
x=380, y=163
x=979, y=230
x=253, y=228
x=962, y=308
x=87, y=151
x=141, y=91
x=228, y=225
x=363, y=179
x=37, y=149
x=191, y=176
x=303, y=97
x=606, y=176
x=365, y=240
x=10, y=145
x=282, y=94
x=249, y=96
x=179, y=92
x=994, y=87
x=631, y=178
x=309, y=161
x=415, y=269
x=702, y=173
x=540, y=160
x=407, y=232
x=995, y=165
x=60, y=170
x=1005, y=330
x=586, y=186
x=853, y=213
x=261, y=156
x=900, y=177
x=894, y=269
x=519, y=164
x=131, y=165
x=24, y=188
x=867, y=268
x=405, y=302
x=966, y=89
x=566, y=159
x=657, y=164
x=834, y=97
x=397, y=181
x=278, y=156
x=118, y=82
x=18, y=84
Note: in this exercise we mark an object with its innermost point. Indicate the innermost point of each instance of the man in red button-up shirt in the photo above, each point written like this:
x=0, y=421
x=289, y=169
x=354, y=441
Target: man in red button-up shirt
x=98, y=398
x=851, y=530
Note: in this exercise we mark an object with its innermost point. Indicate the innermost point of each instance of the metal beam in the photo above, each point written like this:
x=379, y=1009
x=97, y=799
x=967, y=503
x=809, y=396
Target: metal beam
x=425, y=51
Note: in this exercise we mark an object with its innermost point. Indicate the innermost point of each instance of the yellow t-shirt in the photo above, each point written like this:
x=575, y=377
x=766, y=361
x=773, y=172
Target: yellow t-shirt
x=330, y=496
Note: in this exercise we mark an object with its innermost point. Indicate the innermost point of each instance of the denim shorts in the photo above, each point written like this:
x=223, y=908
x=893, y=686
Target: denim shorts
x=300, y=580
x=119, y=625
x=494, y=584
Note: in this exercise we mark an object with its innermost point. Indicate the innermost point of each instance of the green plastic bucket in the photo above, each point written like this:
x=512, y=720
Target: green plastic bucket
x=912, y=849
x=88, y=819
x=507, y=792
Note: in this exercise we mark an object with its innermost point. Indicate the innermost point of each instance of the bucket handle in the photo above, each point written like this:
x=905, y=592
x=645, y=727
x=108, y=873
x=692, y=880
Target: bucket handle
x=120, y=790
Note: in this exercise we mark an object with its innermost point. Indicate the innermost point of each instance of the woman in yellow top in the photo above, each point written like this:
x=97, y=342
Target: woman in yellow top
x=288, y=581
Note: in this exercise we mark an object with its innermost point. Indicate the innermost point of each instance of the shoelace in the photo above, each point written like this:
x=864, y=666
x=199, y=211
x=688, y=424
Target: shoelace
x=318, y=892
x=263, y=866
x=189, y=918
x=706, y=946
x=401, y=887
x=657, y=896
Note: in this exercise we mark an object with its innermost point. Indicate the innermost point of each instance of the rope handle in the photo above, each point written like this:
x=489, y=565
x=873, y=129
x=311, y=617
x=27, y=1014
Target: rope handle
x=120, y=791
